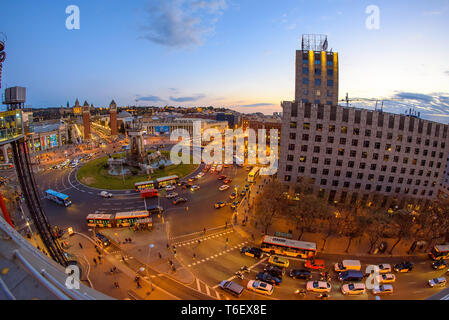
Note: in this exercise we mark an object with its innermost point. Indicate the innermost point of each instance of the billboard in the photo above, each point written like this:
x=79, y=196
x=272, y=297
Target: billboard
x=53, y=141
x=162, y=129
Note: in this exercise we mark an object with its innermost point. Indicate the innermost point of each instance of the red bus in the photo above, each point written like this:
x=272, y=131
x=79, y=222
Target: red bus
x=149, y=193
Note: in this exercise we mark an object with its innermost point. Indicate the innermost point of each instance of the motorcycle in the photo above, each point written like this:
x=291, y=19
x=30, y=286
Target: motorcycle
x=302, y=292
x=323, y=296
x=244, y=269
x=239, y=275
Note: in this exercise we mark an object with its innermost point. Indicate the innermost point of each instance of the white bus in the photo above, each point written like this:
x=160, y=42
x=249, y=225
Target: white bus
x=252, y=176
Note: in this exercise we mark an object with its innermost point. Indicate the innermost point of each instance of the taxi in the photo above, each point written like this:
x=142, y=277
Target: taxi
x=279, y=261
x=260, y=287
x=386, y=278
x=353, y=289
x=233, y=196
x=318, y=286
x=219, y=205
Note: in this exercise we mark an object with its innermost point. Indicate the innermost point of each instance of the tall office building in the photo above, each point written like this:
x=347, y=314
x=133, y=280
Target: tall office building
x=362, y=155
x=316, y=71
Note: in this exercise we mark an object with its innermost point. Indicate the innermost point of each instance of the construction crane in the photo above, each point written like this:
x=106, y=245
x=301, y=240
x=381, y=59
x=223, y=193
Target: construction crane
x=380, y=104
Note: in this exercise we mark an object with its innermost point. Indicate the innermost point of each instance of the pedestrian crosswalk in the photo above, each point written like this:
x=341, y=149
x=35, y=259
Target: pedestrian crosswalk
x=205, y=238
x=212, y=257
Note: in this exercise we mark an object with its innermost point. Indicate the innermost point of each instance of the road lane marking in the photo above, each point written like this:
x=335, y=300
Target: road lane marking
x=198, y=284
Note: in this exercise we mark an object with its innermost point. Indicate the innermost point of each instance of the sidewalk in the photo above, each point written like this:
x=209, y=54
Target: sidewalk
x=140, y=249
x=99, y=275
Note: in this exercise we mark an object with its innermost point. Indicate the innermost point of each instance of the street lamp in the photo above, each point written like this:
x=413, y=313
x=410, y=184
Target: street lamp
x=150, y=246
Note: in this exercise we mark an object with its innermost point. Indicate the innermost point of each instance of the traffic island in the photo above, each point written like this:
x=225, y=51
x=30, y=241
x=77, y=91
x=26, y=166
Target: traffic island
x=96, y=174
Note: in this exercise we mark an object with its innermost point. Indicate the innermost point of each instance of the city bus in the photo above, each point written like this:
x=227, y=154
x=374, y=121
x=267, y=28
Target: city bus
x=58, y=197
x=119, y=219
x=149, y=193
x=6, y=166
x=252, y=176
x=144, y=185
x=287, y=247
x=440, y=252
x=167, y=181
x=129, y=219
x=99, y=220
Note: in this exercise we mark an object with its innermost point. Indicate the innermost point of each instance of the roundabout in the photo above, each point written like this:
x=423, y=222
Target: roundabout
x=96, y=174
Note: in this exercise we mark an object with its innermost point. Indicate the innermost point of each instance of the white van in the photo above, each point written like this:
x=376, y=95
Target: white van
x=346, y=265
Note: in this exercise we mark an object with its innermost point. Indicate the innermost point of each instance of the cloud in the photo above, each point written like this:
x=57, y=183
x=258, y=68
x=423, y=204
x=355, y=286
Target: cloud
x=431, y=13
x=149, y=98
x=432, y=106
x=256, y=105
x=181, y=23
x=414, y=96
x=188, y=99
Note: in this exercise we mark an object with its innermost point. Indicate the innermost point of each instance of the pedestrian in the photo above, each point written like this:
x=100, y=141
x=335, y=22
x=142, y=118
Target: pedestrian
x=199, y=241
x=116, y=285
x=204, y=230
x=95, y=261
x=111, y=271
x=114, y=269
x=160, y=255
x=99, y=259
x=168, y=246
x=194, y=256
x=138, y=285
x=81, y=246
x=226, y=225
x=136, y=279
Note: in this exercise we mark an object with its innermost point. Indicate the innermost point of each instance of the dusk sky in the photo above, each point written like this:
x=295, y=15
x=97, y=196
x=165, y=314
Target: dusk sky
x=225, y=53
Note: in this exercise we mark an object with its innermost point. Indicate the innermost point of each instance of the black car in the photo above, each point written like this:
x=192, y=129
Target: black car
x=405, y=266
x=179, y=200
x=301, y=274
x=275, y=271
x=438, y=265
x=252, y=252
x=102, y=240
x=268, y=278
x=351, y=276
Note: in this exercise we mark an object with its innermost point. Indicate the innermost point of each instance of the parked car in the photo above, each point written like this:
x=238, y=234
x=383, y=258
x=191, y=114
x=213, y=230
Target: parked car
x=301, y=274
x=383, y=289
x=279, y=261
x=105, y=194
x=179, y=200
x=219, y=205
x=227, y=181
x=222, y=177
x=314, y=264
x=386, y=278
x=233, y=288
x=252, y=252
x=260, y=287
x=439, y=265
x=438, y=282
x=405, y=266
x=243, y=193
x=170, y=188
x=384, y=268
x=353, y=289
x=268, y=278
x=275, y=271
x=171, y=195
x=102, y=240
x=318, y=286
x=224, y=187
x=233, y=196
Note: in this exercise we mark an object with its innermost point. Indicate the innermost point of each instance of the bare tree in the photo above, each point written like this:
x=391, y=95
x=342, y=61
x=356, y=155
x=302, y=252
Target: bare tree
x=271, y=202
x=403, y=223
x=375, y=226
x=306, y=211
